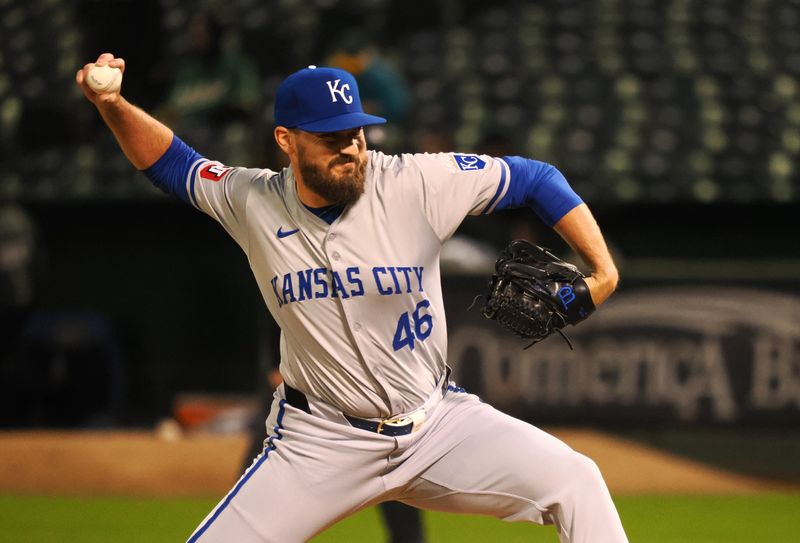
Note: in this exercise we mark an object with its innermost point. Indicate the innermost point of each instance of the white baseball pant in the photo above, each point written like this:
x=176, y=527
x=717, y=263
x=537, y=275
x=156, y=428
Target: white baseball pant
x=467, y=457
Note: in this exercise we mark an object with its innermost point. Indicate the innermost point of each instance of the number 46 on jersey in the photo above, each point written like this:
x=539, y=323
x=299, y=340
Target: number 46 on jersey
x=413, y=327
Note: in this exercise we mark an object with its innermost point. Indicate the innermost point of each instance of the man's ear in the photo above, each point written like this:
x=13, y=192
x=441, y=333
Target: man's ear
x=285, y=139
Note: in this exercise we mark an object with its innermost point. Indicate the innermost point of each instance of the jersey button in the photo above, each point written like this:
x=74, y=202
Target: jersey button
x=357, y=327
x=331, y=237
x=335, y=255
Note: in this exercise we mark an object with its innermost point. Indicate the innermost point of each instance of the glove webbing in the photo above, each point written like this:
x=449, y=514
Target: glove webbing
x=511, y=312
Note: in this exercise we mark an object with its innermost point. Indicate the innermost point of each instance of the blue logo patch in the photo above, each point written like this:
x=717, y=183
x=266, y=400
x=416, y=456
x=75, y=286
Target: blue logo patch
x=469, y=162
x=567, y=296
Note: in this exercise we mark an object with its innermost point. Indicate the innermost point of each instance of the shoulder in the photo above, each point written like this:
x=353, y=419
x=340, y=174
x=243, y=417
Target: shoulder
x=380, y=162
x=214, y=176
x=262, y=179
x=416, y=163
x=215, y=171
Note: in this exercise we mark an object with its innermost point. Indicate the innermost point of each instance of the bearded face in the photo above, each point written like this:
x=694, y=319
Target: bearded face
x=338, y=178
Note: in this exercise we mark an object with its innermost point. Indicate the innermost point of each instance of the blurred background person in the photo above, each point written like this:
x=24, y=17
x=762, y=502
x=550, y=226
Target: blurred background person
x=383, y=89
x=20, y=267
x=214, y=94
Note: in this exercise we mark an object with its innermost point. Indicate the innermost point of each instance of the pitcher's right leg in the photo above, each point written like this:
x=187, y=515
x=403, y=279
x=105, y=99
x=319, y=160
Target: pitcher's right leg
x=312, y=473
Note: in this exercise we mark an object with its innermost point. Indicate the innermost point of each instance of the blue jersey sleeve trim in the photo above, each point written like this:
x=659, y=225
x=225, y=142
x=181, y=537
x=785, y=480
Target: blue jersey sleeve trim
x=170, y=172
x=189, y=182
x=540, y=186
x=501, y=187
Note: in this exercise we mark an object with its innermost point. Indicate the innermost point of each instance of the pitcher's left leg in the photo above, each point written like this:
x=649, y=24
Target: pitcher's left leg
x=500, y=466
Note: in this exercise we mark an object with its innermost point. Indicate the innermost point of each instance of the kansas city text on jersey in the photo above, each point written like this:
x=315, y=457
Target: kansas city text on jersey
x=316, y=283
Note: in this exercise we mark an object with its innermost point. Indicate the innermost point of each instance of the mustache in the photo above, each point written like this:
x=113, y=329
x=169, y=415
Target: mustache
x=343, y=160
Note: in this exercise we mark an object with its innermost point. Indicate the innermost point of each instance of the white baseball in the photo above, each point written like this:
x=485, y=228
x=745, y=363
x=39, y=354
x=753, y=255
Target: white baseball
x=104, y=79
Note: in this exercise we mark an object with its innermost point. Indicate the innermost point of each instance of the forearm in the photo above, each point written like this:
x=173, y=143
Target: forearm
x=580, y=230
x=544, y=189
x=141, y=137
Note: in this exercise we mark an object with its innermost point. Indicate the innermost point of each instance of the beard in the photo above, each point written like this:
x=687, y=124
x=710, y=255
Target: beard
x=343, y=189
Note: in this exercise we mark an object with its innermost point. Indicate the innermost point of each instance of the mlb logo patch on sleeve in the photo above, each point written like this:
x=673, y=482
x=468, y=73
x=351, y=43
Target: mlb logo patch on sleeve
x=469, y=162
x=213, y=172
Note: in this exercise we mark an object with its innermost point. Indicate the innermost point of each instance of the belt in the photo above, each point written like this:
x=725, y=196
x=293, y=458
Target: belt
x=388, y=427
x=393, y=427
x=296, y=398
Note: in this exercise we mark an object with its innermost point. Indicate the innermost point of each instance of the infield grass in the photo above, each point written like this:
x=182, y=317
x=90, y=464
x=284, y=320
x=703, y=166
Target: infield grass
x=648, y=519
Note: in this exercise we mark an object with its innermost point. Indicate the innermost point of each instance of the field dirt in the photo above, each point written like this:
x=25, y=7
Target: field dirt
x=166, y=463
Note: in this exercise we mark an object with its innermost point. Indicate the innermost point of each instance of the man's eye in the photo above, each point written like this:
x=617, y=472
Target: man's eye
x=336, y=138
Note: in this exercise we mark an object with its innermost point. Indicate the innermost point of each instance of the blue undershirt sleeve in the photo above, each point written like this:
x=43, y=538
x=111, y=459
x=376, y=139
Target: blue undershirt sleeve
x=171, y=171
x=540, y=186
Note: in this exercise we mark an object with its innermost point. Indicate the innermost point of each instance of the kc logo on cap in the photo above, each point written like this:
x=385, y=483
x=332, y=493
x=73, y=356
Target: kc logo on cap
x=321, y=100
x=333, y=86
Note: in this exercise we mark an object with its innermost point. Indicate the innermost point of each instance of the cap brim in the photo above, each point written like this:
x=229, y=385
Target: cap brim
x=342, y=122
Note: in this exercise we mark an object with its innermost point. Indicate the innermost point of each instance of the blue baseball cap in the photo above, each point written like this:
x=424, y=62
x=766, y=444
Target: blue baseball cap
x=321, y=100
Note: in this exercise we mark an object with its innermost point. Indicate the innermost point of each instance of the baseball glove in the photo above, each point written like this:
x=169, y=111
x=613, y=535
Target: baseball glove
x=533, y=293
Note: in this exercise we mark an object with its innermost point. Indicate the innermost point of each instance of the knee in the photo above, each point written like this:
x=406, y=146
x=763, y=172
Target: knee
x=572, y=482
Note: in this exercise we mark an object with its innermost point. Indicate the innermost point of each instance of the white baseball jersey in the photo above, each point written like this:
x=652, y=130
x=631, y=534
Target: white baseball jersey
x=359, y=301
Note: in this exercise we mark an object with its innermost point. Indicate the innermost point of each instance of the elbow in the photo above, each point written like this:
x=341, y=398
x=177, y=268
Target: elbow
x=609, y=272
x=614, y=278
x=611, y=278
x=605, y=281
x=613, y=274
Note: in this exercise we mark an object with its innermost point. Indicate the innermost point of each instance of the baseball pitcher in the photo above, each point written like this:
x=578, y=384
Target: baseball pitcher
x=344, y=245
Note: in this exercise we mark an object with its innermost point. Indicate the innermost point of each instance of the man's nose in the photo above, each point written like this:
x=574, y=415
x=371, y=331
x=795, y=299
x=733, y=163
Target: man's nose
x=352, y=147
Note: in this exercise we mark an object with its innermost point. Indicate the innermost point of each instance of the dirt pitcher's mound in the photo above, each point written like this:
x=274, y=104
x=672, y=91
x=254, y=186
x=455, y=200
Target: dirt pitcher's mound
x=631, y=468
x=122, y=463
x=147, y=464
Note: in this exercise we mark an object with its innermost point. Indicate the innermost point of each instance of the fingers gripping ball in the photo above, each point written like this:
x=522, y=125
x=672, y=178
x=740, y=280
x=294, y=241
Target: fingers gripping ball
x=103, y=79
x=533, y=293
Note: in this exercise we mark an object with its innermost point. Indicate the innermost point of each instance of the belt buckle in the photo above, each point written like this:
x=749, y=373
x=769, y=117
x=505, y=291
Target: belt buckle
x=401, y=421
x=418, y=417
x=415, y=419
